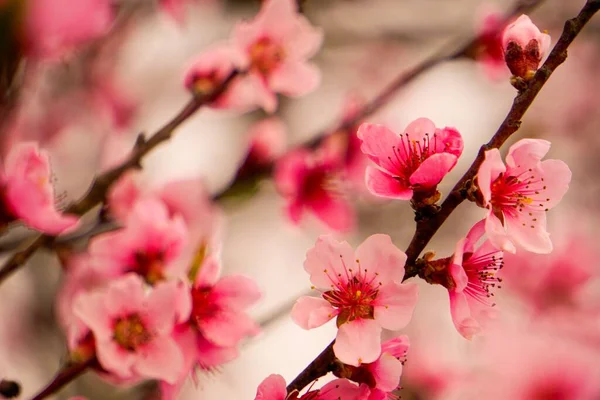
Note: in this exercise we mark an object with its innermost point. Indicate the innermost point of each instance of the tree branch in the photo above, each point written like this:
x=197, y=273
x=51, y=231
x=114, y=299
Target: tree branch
x=66, y=375
x=97, y=191
x=427, y=227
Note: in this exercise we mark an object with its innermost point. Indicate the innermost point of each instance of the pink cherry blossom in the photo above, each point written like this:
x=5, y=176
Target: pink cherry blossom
x=490, y=50
x=27, y=191
x=273, y=49
x=362, y=289
x=132, y=327
x=268, y=139
x=519, y=193
x=274, y=388
x=524, y=47
x=151, y=244
x=415, y=161
x=48, y=33
x=307, y=180
x=473, y=275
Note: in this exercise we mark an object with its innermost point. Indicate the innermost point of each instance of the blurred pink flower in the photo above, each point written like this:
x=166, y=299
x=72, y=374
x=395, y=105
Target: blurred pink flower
x=363, y=290
x=49, y=33
x=415, y=161
x=150, y=245
x=519, y=193
x=274, y=388
x=273, y=49
x=524, y=47
x=268, y=139
x=307, y=180
x=28, y=194
x=133, y=327
x=473, y=271
x=490, y=50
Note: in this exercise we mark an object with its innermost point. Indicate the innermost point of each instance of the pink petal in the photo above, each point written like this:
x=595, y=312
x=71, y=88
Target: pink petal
x=209, y=273
x=448, y=140
x=458, y=274
x=489, y=170
x=125, y=295
x=312, y=312
x=115, y=359
x=236, y=292
x=336, y=213
x=295, y=79
x=395, y=304
x=419, y=128
x=168, y=303
x=557, y=177
x=378, y=143
x=295, y=210
x=397, y=347
x=91, y=310
x=381, y=260
x=227, y=328
x=358, y=341
x=343, y=389
x=475, y=234
x=329, y=261
x=123, y=195
x=497, y=234
x=526, y=153
x=272, y=388
x=161, y=359
x=386, y=371
x=290, y=171
x=432, y=170
x=263, y=94
x=382, y=184
x=534, y=238
x=522, y=31
x=461, y=315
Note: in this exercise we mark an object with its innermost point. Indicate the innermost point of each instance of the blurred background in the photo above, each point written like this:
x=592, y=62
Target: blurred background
x=88, y=107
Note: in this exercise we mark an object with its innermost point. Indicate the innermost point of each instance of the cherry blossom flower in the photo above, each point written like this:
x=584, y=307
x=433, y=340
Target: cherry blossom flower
x=273, y=49
x=132, y=328
x=151, y=244
x=490, y=51
x=49, y=34
x=27, y=192
x=307, y=180
x=362, y=289
x=267, y=140
x=524, y=47
x=415, y=161
x=519, y=193
x=383, y=375
x=274, y=388
x=473, y=275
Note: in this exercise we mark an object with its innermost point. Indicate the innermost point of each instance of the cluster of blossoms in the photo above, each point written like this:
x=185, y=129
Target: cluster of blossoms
x=147, y=301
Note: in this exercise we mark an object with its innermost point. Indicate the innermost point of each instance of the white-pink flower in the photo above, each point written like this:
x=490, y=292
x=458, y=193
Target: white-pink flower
x=363, y=290
x=519, y=193
x=473, y=271
x=415, y=161
x=274, y=388
x=151, y=244
x=524, y=47
x=132, y=327
x=273, y=49
x=27, y=191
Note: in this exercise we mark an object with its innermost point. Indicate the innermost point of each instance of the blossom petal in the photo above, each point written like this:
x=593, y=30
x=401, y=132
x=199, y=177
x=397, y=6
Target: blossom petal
x=461, y=315
x=387, y=371
x=312, y=312
x=295, y=79
x=378, y=143
x=381, y=260
x=236, y=292
x=497, y=234
x=557, y=177
x=532, y=237
x=226, y=328
x=358, y=341
x=526, y=153
x=162, y=359
x=433, y=169
x=382, y=184
x=395, y=304
x=489, y=170
x=329, y=262
x=272, y=388
x=336, y=213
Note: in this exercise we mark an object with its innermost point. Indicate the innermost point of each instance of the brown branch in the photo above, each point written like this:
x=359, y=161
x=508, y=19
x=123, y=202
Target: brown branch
x=102, y=183
x=67, y=374
x=428, y=226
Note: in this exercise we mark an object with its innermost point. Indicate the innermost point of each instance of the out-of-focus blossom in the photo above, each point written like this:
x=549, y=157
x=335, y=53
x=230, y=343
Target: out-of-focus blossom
x=519, y=193
x=363, y=290
x=490, y=52
x=49, y=33
x=274, y=388
x=133, y=328
x=308, y=182
x=268, y=139
x=150, y=245
x=27, y=192
x=524, y=47
x=415, y=161
x=273, y=49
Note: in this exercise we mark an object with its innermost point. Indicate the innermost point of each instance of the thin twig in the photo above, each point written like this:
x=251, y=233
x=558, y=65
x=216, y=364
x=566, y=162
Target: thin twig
x=66, y=375
x=427, y=227
x=102, y=183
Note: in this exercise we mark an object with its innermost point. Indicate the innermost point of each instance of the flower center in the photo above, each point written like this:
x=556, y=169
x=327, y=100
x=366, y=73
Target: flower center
x=205, y=83
x=410, y=154
x=266, y=56
x=131, y=333
x=202, y=305
x=354, y=299
x=149, y=265
x=481, y=272
x=515, y=194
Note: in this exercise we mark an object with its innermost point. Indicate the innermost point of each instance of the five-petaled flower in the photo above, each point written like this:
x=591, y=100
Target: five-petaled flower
x=132, y=327
x=363, y=290
x=412, y=162
x=519, y=193
x=524, y=47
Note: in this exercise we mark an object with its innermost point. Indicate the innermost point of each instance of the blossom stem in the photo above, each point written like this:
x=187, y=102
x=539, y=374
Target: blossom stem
x=66, y=374
x=427, y=227
x=97, y=191
x=320, y=366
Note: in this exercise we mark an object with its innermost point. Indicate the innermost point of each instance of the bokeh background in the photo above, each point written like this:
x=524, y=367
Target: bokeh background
x=88, y=108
